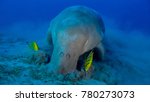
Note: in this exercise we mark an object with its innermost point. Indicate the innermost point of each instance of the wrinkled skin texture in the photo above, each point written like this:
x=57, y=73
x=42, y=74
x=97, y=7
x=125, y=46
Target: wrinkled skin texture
x=73, y=32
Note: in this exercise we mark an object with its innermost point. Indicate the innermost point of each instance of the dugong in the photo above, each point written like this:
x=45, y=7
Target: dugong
x=73, y=32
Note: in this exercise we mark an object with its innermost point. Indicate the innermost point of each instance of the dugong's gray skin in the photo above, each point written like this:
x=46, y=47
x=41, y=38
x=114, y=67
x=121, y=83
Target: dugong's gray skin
x=73, y=32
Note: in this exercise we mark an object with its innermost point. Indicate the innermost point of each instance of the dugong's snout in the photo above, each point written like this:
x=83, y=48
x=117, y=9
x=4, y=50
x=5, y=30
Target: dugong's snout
x=63, y=61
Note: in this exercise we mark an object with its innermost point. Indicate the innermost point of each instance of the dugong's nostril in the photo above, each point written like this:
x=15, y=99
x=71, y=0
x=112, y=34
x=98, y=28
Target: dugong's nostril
x=68, y=56
x=61, y=54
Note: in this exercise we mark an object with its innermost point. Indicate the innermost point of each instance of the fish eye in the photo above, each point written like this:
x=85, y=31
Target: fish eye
x=68, y=55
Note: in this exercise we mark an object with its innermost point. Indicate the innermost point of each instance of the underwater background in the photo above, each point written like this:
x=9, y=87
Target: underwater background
x=126, y=42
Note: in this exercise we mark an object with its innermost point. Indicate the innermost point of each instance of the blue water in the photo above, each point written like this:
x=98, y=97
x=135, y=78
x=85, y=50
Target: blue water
x=127, y=36
x=132, y=14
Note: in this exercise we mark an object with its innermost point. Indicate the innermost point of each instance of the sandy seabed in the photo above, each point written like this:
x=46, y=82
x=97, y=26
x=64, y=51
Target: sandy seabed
x=127, y=57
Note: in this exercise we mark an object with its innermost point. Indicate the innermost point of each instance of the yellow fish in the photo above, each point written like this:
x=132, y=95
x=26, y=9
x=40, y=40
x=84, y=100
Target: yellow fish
x=88, y=61
x=33, y=45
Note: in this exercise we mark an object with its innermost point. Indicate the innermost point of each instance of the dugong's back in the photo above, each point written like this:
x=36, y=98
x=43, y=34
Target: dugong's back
x=84, y=15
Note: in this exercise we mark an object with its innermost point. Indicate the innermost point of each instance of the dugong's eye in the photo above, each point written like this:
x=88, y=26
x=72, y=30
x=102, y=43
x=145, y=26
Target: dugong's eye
x=68, y=55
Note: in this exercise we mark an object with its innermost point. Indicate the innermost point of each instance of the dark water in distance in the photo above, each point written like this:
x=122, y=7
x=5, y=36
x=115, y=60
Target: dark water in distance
x=129, y=14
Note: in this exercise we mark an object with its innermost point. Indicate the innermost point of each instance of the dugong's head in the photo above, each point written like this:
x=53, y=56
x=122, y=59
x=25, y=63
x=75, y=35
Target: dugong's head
x=68, y=46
